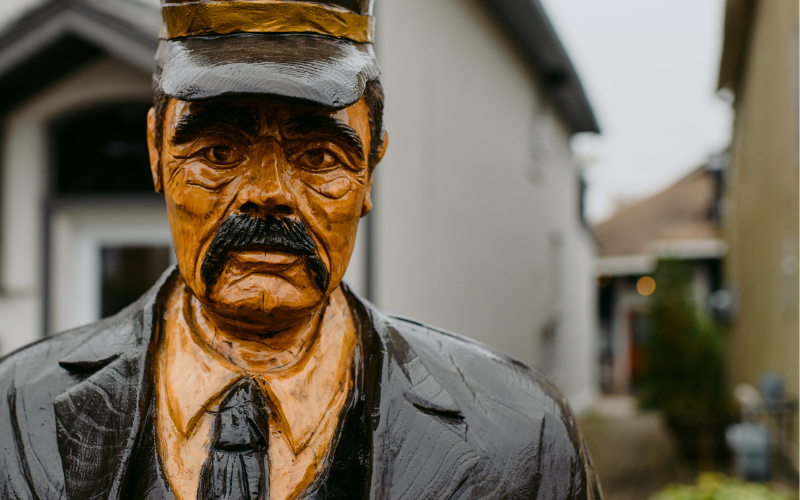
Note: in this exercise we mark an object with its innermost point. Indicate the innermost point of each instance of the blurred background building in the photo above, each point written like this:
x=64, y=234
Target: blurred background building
x=478, y=227
x=760, y=67
x=698, y=287
x=681, y=222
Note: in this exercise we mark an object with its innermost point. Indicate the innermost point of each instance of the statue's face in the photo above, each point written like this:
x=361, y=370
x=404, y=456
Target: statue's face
x=264, y=201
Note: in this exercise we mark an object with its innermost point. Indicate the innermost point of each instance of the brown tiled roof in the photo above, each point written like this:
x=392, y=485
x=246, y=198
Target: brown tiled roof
x=684, y=211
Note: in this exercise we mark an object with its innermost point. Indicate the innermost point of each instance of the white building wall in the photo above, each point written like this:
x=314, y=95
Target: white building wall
x=476, y=183
x=25, y=154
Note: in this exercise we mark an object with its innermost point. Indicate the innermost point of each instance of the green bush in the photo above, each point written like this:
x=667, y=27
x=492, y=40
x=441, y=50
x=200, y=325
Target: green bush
x=684, y=368
x=720, y=487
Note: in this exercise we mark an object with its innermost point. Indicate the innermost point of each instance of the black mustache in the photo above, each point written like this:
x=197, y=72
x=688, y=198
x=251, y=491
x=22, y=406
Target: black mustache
x=239, y=231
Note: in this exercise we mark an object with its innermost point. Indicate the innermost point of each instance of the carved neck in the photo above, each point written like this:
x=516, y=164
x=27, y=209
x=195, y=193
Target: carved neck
x=254, y=353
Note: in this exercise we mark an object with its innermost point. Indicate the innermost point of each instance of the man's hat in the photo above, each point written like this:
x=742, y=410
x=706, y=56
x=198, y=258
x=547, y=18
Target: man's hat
x=313, y=51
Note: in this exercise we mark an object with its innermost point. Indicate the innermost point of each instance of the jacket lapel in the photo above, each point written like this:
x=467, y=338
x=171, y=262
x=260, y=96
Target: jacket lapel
x=420, y=448
x=98, y=419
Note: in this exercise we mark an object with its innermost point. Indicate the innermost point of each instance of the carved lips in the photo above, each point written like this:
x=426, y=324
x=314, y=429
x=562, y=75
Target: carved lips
x=269, y=259
x=271, y=242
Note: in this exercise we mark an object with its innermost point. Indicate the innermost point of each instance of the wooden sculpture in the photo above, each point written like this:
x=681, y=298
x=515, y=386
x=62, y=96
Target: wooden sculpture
x=250, y=371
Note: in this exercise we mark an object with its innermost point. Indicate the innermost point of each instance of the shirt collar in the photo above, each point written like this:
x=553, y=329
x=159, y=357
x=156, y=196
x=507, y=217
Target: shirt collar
x=197, y=377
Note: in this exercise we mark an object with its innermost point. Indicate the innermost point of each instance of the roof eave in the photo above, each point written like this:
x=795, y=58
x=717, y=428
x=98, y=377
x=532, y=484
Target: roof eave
x=738, y=24
x=530, y=29
x=60, y=35
x=136, y=23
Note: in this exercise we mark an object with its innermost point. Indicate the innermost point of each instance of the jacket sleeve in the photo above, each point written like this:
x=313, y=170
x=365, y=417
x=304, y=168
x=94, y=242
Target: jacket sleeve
x=565, y=467
x=14, y=483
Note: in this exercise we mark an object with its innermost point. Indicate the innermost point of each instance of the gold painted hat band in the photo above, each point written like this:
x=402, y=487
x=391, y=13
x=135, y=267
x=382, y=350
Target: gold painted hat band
x=264, y=16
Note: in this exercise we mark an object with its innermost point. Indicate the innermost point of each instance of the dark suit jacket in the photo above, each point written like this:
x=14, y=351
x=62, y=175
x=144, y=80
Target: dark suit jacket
x=453, y=418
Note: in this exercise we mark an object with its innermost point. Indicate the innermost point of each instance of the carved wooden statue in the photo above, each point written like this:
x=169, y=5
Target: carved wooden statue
x=250, y=371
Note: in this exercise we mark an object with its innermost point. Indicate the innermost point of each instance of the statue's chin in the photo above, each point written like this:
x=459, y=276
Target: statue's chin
x=261, y=302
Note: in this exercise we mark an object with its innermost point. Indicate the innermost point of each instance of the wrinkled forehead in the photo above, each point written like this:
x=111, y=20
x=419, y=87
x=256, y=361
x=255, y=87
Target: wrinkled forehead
x=260, y=116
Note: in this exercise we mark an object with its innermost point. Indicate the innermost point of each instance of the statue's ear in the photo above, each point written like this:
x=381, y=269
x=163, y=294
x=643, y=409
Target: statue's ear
x=384, y=144
x=367, y=206
x=155, y=157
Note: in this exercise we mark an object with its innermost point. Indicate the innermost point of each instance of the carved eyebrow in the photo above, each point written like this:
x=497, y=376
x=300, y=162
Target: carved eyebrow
x=215, y=116
x=325, y=125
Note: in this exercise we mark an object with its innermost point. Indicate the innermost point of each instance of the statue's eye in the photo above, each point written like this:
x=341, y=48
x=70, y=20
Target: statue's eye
x=222, y=155
x=318, y=159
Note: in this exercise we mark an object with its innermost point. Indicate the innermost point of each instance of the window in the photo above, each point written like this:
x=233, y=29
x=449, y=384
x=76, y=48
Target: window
x=109, y=238
x=103, y=151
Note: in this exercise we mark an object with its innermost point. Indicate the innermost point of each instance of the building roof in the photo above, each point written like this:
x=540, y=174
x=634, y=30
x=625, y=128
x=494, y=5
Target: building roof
x=530, y=29
x=687, y=211
x=55, y=36
x=738, y=24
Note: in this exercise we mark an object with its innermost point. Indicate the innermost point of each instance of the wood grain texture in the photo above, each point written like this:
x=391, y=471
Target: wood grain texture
x=363, y=7
x=306, y=397
x=265, y=16
x=264, y=201
x=521, y=439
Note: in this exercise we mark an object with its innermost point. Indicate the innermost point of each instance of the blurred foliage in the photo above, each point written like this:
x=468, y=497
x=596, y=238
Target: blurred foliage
x=684, y=370
x=721, y=487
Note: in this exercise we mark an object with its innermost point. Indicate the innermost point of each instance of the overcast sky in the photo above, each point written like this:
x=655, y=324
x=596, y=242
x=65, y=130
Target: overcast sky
x=650, y=69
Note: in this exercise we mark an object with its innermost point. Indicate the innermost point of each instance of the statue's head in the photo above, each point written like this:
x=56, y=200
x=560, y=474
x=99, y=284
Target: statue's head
x=265, y=130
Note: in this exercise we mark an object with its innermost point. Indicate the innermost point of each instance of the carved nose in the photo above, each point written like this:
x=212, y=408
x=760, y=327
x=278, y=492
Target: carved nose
x=268, y=203
x=266, y=194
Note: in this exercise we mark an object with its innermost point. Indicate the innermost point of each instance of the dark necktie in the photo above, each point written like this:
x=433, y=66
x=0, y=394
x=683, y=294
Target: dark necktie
x=238, y=466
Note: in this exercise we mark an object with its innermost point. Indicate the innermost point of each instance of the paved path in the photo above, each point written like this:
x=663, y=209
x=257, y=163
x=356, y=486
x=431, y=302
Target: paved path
x=632, y=452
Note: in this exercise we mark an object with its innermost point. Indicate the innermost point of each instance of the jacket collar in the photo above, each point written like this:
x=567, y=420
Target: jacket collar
x=419, y=443
x=99, y=419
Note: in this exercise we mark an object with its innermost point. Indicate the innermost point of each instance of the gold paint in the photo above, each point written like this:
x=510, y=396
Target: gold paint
x=265, y=16
x=307, y=398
